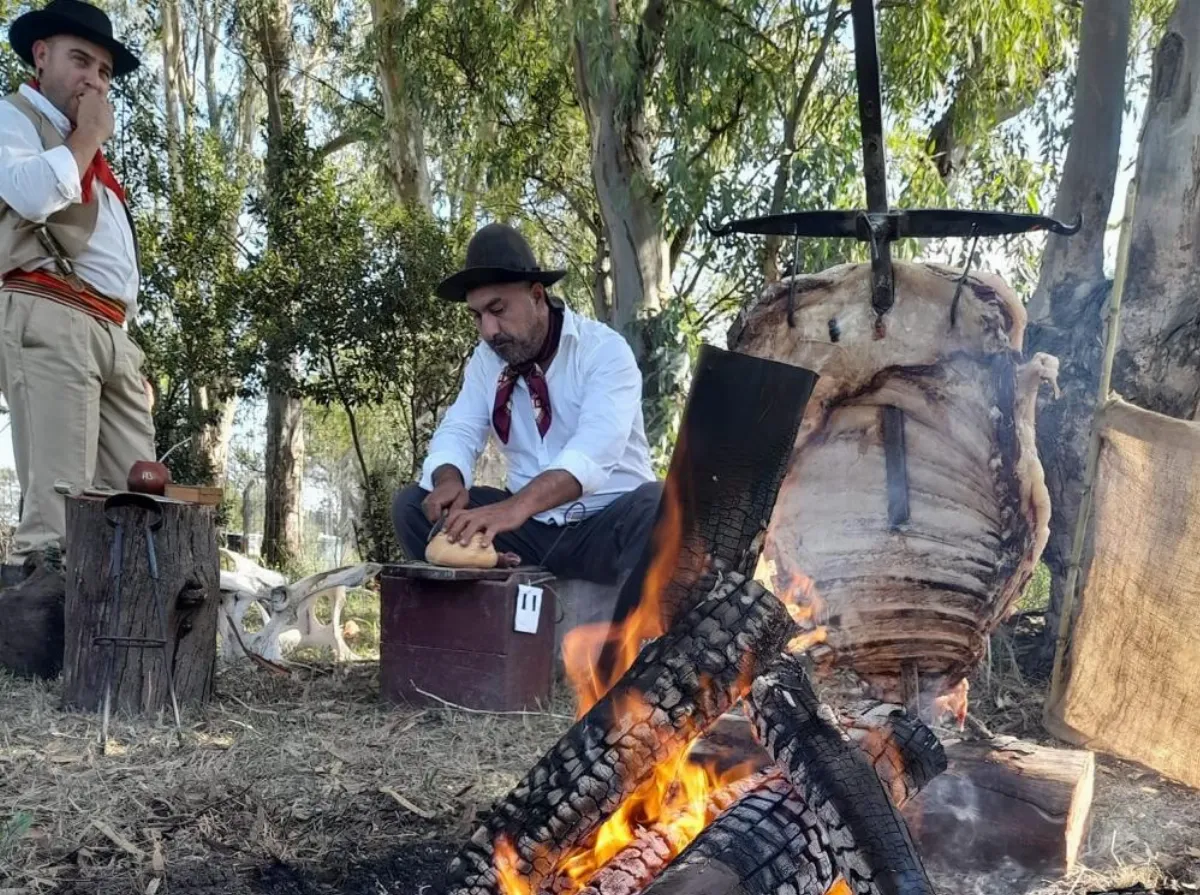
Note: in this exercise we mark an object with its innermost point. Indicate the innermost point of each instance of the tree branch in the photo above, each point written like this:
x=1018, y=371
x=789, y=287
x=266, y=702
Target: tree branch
x=341, y=141
x=783, y=174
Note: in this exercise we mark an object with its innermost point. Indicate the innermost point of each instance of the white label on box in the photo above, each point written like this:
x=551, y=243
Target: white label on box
x=529, y=609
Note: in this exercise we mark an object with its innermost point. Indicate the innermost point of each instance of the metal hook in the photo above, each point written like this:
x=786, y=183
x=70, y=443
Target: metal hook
x=963, y=279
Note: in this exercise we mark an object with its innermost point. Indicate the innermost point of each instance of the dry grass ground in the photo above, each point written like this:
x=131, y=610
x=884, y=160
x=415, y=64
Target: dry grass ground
x=307, y=784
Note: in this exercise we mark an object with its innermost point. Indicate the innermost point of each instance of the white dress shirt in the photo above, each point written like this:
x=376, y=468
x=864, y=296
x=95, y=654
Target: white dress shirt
x=37, y=182
x=596, y=432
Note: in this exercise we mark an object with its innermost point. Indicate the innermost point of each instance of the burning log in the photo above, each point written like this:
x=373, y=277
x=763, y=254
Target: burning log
x=675, y=689
x=769, y=843
x=904, y=752
x=721, y=486
x=635, y=866
x=871, y=844
x=1004, y=799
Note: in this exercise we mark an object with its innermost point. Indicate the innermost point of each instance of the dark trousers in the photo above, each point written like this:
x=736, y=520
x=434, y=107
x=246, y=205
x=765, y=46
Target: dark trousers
x=601, y=548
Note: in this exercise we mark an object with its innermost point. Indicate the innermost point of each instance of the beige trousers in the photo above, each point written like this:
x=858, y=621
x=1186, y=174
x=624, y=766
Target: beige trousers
x=78, y=407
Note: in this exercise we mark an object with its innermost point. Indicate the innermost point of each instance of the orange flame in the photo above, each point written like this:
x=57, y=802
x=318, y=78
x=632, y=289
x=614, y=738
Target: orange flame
x=804, y=604
x=674, y=802
x=582, y=646
x=839, y=887
x=505, y=861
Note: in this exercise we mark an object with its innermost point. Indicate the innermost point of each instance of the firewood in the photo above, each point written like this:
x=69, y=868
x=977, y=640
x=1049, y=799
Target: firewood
x=871, y=844
x=904, y=752
x=635, y=866
x=768, y=843
x=1004, y=799
x=676, y=688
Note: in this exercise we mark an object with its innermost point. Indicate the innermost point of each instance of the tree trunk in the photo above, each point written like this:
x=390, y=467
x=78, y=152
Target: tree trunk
x=186, y=552
x=1158, y=356
x=171, y=50
x=1005, y=800
x=247, y=517
x=630, y=205
x=210, y=21
x=1067, y=310
x=405, y=130
x=284, y=478
x=211, y=443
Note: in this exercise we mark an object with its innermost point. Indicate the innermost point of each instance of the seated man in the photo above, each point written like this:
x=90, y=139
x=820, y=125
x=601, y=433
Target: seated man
x=563, y=395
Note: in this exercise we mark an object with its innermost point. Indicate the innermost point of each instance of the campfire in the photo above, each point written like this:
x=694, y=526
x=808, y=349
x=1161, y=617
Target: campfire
x=643, y=794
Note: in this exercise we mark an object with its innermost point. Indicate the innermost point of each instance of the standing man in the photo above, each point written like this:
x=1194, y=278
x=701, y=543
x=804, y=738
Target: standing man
x=80, y=409
x=563, y=395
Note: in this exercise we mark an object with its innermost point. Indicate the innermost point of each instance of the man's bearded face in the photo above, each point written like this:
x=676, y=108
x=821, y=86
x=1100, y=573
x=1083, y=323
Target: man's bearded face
x=68, y=67
x=512, y=319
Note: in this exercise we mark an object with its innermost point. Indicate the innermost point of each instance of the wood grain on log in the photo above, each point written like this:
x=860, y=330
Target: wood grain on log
x=1004, y=799
x=188, y=565
x=768, y=843
x=904, y=752
x=676, y=688
x=872, y=847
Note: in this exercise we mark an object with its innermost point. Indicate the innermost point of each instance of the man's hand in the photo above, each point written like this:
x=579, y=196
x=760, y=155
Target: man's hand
x=93, y=126
x=449, y=493
x=495, y=519
x=94, y=118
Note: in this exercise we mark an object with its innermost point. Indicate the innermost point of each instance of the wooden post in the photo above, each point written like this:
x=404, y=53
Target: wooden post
x=189, y=574
x=1093, y=456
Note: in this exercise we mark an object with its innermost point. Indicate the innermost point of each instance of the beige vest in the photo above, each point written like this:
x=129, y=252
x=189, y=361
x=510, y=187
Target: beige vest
x=71, y=228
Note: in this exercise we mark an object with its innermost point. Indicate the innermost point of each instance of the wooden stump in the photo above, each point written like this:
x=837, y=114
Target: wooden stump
x=1005, y=799
x=189, y=574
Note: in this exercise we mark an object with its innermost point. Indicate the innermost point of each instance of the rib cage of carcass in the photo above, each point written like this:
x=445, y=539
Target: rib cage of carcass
x=914, y=506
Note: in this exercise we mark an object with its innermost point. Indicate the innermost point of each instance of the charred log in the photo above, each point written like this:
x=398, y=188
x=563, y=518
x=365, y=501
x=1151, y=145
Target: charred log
x=871, y=844
x=768, y=843
x=904, y=752
x=721, y=486
x=676, y=688
x=636, y=866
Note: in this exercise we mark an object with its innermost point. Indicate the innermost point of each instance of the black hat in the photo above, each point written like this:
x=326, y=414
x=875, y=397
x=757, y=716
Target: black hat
x=496, y=254
x=69, y=17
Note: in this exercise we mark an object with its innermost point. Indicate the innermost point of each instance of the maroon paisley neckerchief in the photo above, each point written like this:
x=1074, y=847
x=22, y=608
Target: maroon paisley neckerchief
x=534, y=372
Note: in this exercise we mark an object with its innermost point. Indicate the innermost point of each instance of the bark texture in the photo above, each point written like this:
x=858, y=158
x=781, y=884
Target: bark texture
x=870, y=843
x=1067, y=310
x=1158, y=358
x=631, y=206
x=679, y=685
x=186, y=549
x=405, y=131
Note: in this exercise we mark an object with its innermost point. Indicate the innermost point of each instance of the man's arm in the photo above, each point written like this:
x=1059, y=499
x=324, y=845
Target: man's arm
x=35, y=183
x=613, y=393
x=462, y=433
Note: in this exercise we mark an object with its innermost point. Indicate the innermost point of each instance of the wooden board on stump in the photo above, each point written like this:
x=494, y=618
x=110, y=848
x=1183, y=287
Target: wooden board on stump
x=189, y=573
x=1005, y=799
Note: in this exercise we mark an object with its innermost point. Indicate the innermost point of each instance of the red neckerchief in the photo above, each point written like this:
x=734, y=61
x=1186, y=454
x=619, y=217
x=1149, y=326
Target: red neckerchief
x=534, y=372
x=97, y=170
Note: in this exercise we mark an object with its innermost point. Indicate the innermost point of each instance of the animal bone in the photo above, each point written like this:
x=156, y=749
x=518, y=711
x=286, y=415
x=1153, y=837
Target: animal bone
x=289, y=611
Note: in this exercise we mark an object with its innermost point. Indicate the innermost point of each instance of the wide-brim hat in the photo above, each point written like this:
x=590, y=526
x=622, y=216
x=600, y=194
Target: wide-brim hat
x=70, y=17
x=496, y=254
